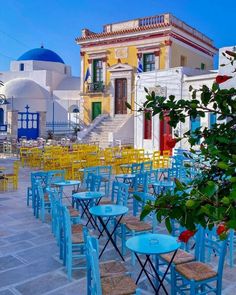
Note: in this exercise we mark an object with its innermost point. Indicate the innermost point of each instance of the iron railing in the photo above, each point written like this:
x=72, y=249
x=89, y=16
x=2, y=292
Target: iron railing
x=96, y=87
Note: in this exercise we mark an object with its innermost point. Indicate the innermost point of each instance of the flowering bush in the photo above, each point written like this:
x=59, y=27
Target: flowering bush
x=210, y=198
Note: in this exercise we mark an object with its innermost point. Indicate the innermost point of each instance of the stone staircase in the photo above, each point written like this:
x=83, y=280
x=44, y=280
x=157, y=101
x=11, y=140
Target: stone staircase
x=101, y=132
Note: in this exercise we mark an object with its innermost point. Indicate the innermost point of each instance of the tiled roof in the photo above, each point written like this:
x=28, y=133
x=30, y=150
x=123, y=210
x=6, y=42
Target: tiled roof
x=92, y=35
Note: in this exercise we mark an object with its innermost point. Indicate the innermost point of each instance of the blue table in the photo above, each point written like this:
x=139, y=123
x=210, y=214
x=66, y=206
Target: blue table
x=153, y=244
x=85, y=199
x=109, y=212
x=65, y=183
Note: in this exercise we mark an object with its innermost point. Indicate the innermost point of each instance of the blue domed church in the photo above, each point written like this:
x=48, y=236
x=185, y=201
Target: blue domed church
x=41, y=95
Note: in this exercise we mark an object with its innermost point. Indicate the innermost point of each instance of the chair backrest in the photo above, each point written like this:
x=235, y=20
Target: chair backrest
x=136, y=168
x=141, y=182
x=147, y=166
x=105, y=171
x=88, y=170
x=219, y=248
x=66, y=224
x=55, y=176
x=93, y=266
x=93, y=182
x=120, y=192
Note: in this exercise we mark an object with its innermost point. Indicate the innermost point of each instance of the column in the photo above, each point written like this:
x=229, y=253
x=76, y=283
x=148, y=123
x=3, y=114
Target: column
x=42, y=124
x=157, y=59
x=168, y=55
x=82, y=71
x=12, y=120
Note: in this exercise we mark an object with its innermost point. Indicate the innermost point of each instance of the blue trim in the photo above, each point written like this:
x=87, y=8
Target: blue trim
x=41, y=54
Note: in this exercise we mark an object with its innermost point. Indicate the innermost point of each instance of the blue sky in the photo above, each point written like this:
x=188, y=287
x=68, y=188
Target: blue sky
x=25, y=24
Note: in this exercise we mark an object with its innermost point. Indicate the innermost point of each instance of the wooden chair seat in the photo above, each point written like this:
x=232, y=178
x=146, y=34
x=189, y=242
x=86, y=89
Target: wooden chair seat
x=180, y=257
x=122, y=285
x=46, y=198
x=77, y=239
x=195, y=270
x=73, y=212
x=77, y=228
x=105, y=201
x=126, y=219
x=111, y=268
x=138, y=226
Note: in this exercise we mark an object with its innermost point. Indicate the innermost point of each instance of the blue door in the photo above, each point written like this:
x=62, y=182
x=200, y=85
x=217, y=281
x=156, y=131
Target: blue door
x=28, y=124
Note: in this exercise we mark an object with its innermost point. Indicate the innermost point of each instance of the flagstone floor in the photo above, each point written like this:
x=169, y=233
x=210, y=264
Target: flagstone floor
x=29, y=263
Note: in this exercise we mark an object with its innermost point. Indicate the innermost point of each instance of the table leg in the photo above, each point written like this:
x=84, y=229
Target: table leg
x=144, y=270
x=110, y=236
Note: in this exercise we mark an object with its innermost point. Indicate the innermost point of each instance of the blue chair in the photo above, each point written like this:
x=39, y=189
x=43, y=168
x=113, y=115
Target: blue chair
x=92, y=184
x=55, y=176
x=107, y=268
x=136, y=168
x=74, y=246
x=197, y=277
x=147, y=166
x=42, y=202
x=88, y=170
x=140, y=188
x=116, y=285
x=31, y=191
x=105, y=173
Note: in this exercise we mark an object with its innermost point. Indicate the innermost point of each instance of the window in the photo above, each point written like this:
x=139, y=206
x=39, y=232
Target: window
x=212, y=119
x=148, y=62
x=1, y=116
x=194, y=124
x=147, y=125
x=97, y=70
x=65, y=70
x=183, y=61
x=203, y=66
x=22, y=67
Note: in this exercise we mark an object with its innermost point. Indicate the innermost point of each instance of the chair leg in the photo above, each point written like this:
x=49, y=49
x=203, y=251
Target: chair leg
x=173, y=280
x=123, y=239
x=192, y=288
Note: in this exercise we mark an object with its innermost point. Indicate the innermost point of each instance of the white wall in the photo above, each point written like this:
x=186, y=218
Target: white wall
x=177, y=82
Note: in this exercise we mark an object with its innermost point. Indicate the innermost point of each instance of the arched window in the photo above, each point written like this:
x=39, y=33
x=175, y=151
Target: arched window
x=1, y=116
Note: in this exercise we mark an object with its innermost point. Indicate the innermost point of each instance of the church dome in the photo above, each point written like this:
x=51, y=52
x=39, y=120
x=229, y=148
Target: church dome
x=22, y=88
x=41, y=54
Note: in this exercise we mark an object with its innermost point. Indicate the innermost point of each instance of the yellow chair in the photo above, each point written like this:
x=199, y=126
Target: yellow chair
x=12, y=178
x=76, y=171
x=24, y=155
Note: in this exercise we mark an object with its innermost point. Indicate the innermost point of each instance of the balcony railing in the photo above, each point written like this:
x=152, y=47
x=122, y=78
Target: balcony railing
x=95, y=87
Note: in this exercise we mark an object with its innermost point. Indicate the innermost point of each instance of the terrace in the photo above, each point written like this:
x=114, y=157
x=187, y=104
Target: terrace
x=29, y=253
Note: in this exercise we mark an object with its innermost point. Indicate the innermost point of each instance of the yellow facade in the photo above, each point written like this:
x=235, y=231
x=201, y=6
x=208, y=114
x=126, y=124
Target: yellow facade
x=135, y=40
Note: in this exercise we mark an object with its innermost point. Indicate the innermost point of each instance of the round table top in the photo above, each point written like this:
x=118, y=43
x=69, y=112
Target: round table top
x=88, y=195
x=151, y=244
x=125, y=176
x=108, y=210
x=67, y=183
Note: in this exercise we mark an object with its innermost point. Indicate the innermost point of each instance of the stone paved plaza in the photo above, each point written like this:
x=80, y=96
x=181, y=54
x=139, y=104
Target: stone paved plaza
x=29, y=261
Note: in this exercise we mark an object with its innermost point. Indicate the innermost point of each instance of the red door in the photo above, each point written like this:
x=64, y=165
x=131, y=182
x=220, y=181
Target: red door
x=120, y=96
x=165, y=134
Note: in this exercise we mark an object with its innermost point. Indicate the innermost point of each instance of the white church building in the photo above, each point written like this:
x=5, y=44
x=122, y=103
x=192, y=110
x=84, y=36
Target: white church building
x=154, y=134
x=41, y=94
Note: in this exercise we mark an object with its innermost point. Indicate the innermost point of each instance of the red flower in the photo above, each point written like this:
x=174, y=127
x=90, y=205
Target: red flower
x=221, y=229
x=186, y=235
x=171, y=143
x=221, y=79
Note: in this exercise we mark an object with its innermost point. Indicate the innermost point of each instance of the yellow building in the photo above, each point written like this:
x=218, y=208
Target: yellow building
x=109, y=59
